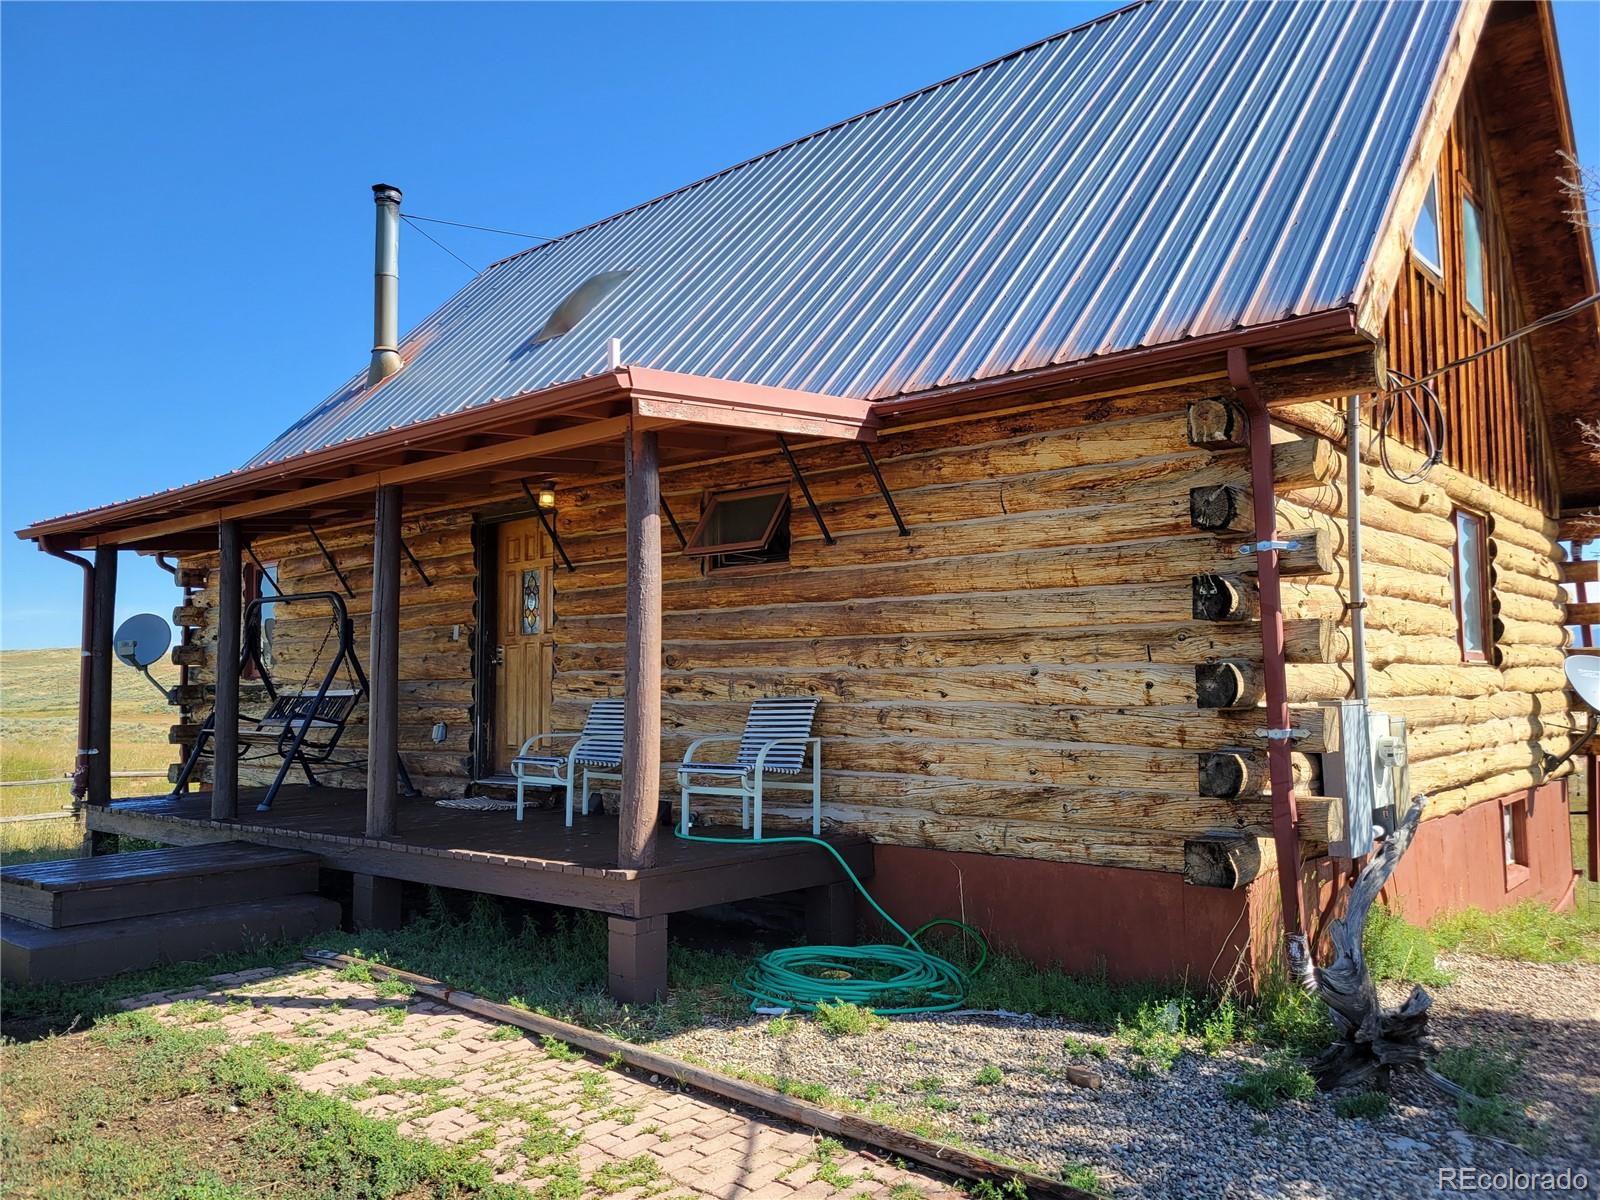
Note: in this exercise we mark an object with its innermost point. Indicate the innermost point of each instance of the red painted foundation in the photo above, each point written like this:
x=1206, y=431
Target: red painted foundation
x=1153, y=925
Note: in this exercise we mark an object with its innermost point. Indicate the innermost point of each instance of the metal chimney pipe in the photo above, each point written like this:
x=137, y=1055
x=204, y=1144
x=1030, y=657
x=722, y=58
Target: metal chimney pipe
x=386, y=286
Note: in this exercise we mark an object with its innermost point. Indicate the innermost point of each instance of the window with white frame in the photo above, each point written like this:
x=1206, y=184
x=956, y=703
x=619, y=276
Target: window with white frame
x=1474, y=268
x=1425, y=235
x=1470, y=597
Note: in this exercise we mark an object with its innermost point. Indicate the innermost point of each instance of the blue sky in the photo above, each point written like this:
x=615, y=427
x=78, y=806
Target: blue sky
x=186, y=217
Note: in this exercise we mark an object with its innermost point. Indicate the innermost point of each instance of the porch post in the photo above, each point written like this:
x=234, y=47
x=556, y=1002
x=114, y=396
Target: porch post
x=383, y=661
x=641, y=730
x=102, y=620
x=225, y=740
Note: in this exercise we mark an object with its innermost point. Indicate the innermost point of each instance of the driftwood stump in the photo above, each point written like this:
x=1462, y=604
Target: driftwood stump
x=1373, y=1041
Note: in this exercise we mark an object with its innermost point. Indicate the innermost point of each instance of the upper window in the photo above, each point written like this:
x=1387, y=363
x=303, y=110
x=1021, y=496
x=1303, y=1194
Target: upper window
x=1472, y=255
x=1425, y=237
x=1471, y=598
x=741, y=529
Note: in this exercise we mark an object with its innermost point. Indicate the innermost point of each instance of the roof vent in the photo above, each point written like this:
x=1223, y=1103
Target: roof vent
x=579, y=303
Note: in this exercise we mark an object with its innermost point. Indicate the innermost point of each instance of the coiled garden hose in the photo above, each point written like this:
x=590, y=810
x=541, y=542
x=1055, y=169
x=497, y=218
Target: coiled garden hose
x=887, y=979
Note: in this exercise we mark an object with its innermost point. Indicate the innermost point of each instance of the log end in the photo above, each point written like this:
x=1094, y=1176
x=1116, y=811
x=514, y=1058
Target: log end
x=1222, y=685
x=1216, y=423
x=1218, y=507
x=1223, y=774
x=1222, y=860
x=1219, y=598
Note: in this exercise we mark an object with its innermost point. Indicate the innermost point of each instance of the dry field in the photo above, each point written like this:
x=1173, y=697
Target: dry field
x=38, y=734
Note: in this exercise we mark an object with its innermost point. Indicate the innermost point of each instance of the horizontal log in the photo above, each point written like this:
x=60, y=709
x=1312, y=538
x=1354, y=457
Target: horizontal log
x=1531, y=541
x=1581, y=571
x=191, y=577
x=1507, y=656
x=1045, y=608
x=1104, y=686
x=1530, y=633
x=1176, y=727
x=1190, y=642
x=1463, y=489
x=1583, y=614
x=1527, y=608
x=1386, y=613
x=1450, y=800
x=1508, y=556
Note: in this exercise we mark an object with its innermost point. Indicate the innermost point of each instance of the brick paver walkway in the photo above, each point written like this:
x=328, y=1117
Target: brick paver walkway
x=551, y=1120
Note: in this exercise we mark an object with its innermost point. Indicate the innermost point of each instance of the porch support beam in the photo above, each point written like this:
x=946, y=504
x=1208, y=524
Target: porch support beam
x=641, y=730
x=383, y=660
x=225, y=718
x=102, y=625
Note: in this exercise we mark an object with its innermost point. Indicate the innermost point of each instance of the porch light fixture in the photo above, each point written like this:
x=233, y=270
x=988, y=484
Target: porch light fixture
x=547, y=498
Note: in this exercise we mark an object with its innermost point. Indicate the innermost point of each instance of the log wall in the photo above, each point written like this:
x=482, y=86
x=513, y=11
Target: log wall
x=1018, y=676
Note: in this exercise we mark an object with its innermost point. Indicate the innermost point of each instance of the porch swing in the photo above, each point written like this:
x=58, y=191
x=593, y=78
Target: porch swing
x=302, y=726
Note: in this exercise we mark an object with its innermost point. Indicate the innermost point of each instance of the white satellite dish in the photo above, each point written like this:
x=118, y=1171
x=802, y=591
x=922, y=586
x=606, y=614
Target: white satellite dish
x=1583, y=674
x=141, y=640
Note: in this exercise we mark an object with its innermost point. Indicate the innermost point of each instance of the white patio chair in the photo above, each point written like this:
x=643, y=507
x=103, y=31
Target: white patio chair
x=597, y=752
x=775, y=741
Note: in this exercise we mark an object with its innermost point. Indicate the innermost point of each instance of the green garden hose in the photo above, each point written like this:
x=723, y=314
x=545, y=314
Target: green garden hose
x=892, y=980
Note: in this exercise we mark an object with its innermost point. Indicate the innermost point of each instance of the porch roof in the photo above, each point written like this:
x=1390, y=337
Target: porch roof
x=571, y=428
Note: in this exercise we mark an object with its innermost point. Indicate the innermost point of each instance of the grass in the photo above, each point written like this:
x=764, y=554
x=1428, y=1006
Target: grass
x=1265, y=1088
x=988, y=1075
x=1528, y=931
x=1487, y=1110
x=138, y=1109
x=38, y=740
x=1399, y=951
x=847, y=1020
x=1370, y=1105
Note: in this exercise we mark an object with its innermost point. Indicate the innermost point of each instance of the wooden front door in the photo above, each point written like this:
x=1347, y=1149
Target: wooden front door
x=524, y=646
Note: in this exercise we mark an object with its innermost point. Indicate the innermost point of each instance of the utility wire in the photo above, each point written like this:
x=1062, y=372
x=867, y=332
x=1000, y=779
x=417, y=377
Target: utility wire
x=441, y=245
x=532, y=237
x=1532, y=327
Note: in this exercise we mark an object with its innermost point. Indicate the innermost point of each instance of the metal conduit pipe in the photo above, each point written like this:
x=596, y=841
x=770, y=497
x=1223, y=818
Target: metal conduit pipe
x=80, y=762
x=1352, y=512
x=1280, y=769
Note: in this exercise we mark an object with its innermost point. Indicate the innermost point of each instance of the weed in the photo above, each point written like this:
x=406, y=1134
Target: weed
x=559, y=1050
x=847, y=1020
x=988, y=1075
x=1529, y=931
x=828, y=1170
x=1220, y=1028
x=906, y=1191
x=545, y=1139
x=1154, y=1035
x=391, y=988
x=979, y=1119
x=1483, y=1071
x=1265, y=1088
x=393, y=1015
x=781, y=1027
x=1083, y=1048
x=1485, y=1109
x=596, y=1089
x=1400, y=951
x=1370, y=1105
x=505, y=1033
x=620, y=1175
x=1083, y=1177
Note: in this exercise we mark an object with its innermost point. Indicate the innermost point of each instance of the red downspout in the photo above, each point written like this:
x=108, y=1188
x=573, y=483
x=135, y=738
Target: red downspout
x=1285, y=821
x=80, y=764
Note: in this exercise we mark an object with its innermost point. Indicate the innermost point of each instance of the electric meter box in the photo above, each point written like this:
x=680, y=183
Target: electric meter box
x=1367, y=771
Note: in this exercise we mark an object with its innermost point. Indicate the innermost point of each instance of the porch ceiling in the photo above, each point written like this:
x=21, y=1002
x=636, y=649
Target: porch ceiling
x=571, y=429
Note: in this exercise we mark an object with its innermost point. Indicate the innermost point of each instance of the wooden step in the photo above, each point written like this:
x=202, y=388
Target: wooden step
x=110, y=887
x=32, y=954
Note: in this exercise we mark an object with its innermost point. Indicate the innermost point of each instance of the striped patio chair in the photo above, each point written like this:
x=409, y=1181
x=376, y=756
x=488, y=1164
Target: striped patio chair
x=775, y=741
x=597, y=752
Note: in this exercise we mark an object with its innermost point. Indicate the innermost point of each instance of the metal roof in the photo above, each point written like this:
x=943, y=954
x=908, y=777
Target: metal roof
x=1168, y=171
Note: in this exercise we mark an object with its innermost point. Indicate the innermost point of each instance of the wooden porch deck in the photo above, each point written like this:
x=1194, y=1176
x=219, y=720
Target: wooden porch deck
x=538, y=859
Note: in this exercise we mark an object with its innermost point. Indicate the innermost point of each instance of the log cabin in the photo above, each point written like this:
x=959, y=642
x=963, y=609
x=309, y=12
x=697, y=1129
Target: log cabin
x=1086, y=431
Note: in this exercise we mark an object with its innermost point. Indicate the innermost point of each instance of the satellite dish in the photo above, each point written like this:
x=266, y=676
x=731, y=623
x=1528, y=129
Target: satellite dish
x=1583, y=674
x=141, y=640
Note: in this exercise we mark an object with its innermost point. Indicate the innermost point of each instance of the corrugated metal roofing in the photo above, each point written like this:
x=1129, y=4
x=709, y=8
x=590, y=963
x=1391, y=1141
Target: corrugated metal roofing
x=1168, y=171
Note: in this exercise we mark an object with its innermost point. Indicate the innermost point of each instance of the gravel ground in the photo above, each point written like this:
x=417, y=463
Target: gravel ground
x=1178, y=1134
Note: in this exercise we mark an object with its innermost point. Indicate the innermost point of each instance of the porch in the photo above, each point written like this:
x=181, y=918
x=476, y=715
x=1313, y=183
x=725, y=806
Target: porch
x=538, y=859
